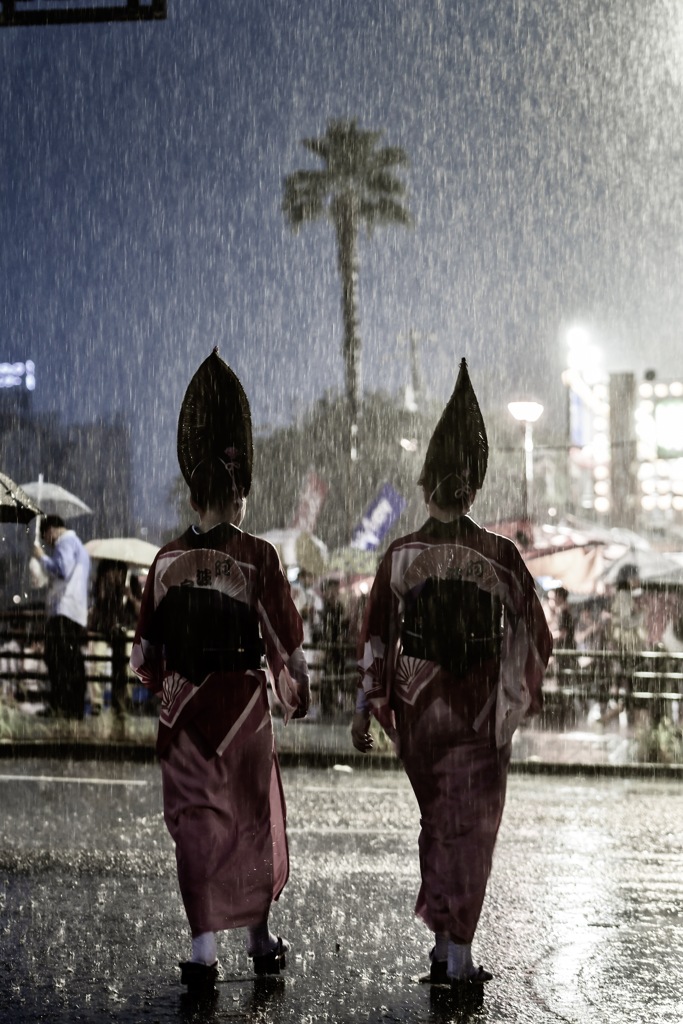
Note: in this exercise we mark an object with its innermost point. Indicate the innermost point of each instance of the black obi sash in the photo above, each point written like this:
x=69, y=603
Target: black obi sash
x=453, y=623
x=204, y=631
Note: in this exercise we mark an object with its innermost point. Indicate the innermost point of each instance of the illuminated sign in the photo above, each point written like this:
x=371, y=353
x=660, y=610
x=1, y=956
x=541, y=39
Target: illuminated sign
x=659, y=428
x=18, y=375
x=668, y=417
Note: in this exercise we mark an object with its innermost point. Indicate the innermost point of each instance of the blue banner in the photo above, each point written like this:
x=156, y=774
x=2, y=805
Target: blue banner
x=378, y=518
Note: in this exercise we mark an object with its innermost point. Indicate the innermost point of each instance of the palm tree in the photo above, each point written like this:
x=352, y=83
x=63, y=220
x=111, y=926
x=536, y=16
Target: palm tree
x=357, y=186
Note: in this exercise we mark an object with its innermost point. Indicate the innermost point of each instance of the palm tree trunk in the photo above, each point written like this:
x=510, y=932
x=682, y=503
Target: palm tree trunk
x=347, y=252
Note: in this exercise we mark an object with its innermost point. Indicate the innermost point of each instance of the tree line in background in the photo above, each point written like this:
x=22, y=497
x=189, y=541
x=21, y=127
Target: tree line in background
x=284, y=458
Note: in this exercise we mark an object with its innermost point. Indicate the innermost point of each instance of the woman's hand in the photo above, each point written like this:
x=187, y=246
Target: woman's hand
x=360, y=732
x=304, y=695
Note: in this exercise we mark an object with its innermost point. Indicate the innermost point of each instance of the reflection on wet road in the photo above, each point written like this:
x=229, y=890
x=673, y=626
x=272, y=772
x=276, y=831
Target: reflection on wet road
x=581, y=923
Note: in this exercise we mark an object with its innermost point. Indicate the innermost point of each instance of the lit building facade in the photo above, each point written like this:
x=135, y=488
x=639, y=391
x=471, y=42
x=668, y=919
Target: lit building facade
x=659, y=431
x=626, y=449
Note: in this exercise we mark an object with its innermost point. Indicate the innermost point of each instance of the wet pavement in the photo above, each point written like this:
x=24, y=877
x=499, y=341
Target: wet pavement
x=582, y=922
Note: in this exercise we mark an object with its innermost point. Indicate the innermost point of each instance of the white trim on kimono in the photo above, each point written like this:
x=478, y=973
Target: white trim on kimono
x=513, y=696
x=277, y=644
x=227, y=740
x=177, y=692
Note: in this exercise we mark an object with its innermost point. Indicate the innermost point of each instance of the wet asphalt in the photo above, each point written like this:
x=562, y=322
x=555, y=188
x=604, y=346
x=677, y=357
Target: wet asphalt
x=582, y=921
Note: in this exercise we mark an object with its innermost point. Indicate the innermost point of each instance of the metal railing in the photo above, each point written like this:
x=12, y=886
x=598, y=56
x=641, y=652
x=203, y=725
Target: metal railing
x=650, y=680
x=24, y=676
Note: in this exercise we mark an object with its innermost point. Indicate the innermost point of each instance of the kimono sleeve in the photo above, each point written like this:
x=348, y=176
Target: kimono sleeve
x=541, y=643
x=539, y=640
x=379, y=634
x=146, y=658
x=283, y=633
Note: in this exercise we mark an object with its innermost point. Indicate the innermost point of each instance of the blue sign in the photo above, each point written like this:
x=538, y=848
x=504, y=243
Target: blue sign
x=378, y=519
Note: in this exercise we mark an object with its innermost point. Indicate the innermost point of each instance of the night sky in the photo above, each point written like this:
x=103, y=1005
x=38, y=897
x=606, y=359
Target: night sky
x=140, y=193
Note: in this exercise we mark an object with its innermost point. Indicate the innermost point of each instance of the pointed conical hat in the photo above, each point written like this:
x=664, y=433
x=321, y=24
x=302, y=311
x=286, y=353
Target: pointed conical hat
x=215, y=422
x=458, y=448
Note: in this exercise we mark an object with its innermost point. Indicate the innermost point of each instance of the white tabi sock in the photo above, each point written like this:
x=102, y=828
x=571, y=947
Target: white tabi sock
x=460, y=964
x=204, y=949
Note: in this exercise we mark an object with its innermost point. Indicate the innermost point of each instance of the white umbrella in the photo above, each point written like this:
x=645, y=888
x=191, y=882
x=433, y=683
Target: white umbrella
x=578, y=568
x=130, y=550
x=55, y=500
x=650, y=567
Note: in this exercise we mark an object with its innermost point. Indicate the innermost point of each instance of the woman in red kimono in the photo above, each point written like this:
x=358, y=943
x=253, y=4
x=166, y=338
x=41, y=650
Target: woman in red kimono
x=216, y=602
x=452, y=655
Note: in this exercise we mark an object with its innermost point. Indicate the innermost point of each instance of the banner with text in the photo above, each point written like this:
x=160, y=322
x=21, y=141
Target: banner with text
x=378, y=519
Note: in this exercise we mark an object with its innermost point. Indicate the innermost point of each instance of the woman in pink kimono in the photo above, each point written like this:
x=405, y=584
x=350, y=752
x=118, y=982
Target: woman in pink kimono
x=452, y=655
x=216, y=602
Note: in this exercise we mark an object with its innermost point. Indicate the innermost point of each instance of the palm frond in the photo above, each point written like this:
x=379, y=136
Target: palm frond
x=391, y=156
x=304, y=194
x=320, y=147
x=383, y=183
x=308, y=179
x=383, y=211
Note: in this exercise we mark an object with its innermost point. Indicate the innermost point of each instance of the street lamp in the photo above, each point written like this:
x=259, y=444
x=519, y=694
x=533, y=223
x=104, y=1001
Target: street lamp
x=526, y=413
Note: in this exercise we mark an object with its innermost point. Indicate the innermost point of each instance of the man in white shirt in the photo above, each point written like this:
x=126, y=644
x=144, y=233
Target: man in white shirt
x=66, y=615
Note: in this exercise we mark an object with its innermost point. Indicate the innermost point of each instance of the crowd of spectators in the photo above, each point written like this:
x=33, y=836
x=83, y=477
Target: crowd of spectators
x=626, y=625
x=625, y=620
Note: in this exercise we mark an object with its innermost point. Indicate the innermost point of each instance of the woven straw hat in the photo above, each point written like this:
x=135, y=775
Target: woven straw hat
x=215, y=424
x=457, y=454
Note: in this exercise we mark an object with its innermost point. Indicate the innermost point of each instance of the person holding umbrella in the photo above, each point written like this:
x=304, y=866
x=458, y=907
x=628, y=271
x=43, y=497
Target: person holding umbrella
x=216, y=601
x=66, y=615
x=452, y=655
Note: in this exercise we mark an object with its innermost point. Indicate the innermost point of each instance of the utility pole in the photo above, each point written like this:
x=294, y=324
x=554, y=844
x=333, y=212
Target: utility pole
x=622, y=396
x=413, y=391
